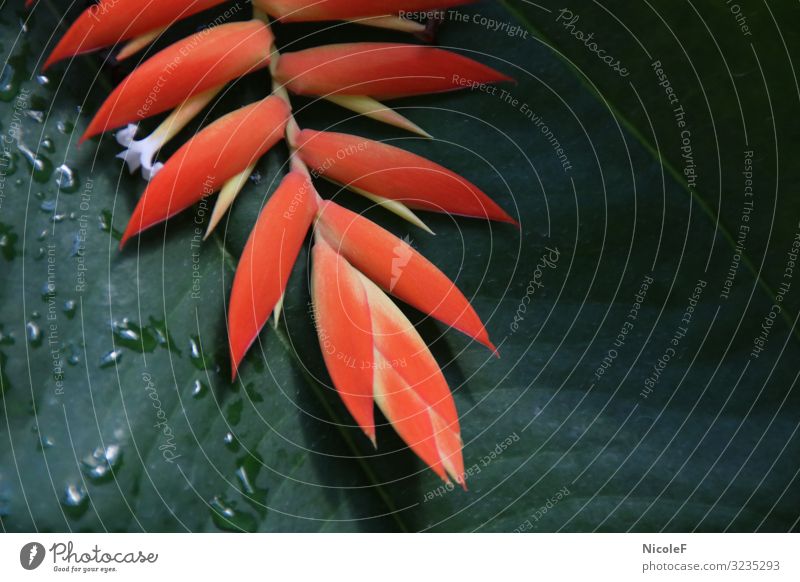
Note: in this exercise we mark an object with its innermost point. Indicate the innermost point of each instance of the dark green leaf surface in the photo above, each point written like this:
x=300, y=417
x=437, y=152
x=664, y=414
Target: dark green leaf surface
x=117, y=409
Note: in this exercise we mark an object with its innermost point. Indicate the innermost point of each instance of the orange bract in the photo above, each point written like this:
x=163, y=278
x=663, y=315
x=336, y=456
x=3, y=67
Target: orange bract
x=305, y=10
x=205, y=162
x=393, y=173
x=111, y=21
x=399, y=269
x=267, y=260
x=373, y=351
x=381, y=70
x=188, y=67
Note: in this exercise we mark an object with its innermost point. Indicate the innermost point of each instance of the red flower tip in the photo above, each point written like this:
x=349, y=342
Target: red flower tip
x=396, y=174
x=344, y=328
x=372, y=351
x=111, y=21
x=381, y=70
x=312, y=10
x=267, y=261
x=399, y=269
x=203, y=164
x=195, y=64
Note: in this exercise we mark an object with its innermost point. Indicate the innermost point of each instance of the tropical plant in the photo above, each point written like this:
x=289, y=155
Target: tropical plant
x=372, y=351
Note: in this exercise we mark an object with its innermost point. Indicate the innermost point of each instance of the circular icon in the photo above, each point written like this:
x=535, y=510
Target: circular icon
x=31, y=555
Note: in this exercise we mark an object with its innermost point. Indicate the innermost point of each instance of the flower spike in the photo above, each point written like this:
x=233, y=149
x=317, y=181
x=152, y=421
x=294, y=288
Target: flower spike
x=110, y=21
x=399, y=269
x=314, y=10
x=344, y=328
x=393, y=173
x=411, y=391
x=193, y=65
x=204, y=163
x=380, y=70
x=267, y=261
x=371, y=351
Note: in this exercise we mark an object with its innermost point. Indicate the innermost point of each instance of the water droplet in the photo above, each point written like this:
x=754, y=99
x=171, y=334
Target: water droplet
x=74, y=357
x=248, y=468
x=65, y=127
x=70, y=307
x=255, y=177
x=66, y=179
x=58, y=217
x=230, y=442
x=8, y=164
x=133, y=337
x=42, y=235
x=105, y=223
x=48, y=291
x=100, y=464
x=41, y=167
x=199, y=389
x=48, y=145
x=48, y=205
x=159, y=329
x=9, y=82
x=8, y=242
x=37, y=116
x=42, y=80
x=111, y=358
x=45, y=442
x=75, y=500
x=196, y=353
x=34, y=334
x=227, y=517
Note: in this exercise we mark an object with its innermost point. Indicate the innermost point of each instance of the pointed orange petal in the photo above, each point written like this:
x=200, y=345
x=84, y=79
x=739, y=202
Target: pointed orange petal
x=395, y=174
x=202, y=165
x=344, y=328
x=380, y=70
x=396, y=267
x=411, y=391
x=111, y=21
x=310, y=10
x=267, y=260
x=207, y=59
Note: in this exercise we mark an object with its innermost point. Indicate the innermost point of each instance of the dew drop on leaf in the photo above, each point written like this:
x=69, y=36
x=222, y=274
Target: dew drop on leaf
x=70, y=306
x=100, y=464
x=110, y=358
x=199, y=390
x=34, y=334
x=75, y=500
x=227, y=517
x=66, y=179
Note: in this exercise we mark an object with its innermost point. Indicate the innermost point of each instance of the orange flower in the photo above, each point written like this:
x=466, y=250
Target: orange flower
x=309, y=10
x=373, y=351
x=267, y=261
x=110, y=21
x=200, y=62
x=399, y=269
x=389, y=172
x=205, y=162
x=381, y=70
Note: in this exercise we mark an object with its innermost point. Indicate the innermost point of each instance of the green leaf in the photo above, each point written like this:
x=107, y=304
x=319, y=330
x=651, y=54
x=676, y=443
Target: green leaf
x=118, y=412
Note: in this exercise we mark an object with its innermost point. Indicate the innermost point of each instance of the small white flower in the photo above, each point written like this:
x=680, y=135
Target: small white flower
x=140, y=154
